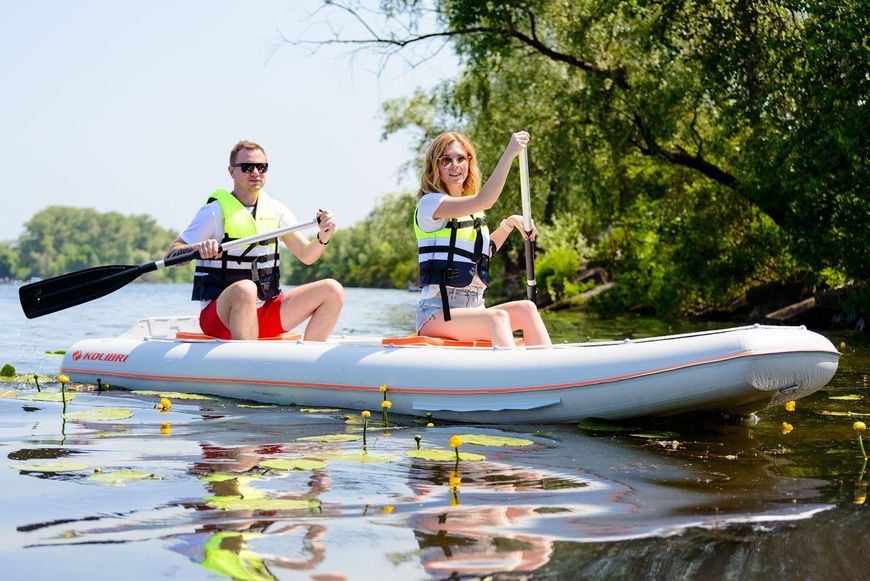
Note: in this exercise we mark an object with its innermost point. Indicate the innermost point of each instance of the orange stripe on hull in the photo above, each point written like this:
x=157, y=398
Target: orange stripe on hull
x=415, y=390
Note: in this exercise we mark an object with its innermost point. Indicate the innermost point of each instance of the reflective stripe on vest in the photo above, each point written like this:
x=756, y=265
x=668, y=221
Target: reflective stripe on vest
x=453, y=254
x=257, y=262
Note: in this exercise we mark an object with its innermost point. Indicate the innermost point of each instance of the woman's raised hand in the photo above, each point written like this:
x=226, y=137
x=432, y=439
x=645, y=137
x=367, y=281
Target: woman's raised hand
x=518, y=142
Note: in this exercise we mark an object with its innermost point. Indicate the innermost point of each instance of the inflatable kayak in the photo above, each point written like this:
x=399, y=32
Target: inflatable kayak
x=735, y=370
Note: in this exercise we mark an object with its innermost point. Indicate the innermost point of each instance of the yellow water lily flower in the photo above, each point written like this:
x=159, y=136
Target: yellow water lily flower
x=389, y=509
x=789, y=406
x=165, y=429
x=859, y=426
x=455, y=442
x=383, y=387
x=164, y=405
x=63, y=378
x=786, y=428
x=386, y=404
x=430, y=425
x=366, y=414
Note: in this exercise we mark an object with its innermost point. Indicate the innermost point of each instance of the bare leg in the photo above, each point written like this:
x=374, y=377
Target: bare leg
x=237, y=309
x=524, y=317
x=321, y=300
x=470, y=324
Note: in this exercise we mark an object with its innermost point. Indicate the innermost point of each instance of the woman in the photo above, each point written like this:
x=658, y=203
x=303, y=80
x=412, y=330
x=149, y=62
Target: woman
x=455, y=244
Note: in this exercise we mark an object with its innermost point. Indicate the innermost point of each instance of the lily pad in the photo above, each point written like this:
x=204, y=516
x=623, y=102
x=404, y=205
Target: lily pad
x=100, y=414
x=292, y=464
x=119, y=477
x=239, y=503
x=361, y=458
x=850, y=397
x=172, y=394
x=842, y=414
x=484, y=440
x=331, y=438
x=443, y=455
x=319, y=410
x=47, y=396
x=597, y=425
x=56, y=467
x=656, y=435
x=8, y=394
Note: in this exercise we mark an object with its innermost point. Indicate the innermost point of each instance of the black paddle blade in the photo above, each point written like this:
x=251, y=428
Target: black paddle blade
x=68, y=290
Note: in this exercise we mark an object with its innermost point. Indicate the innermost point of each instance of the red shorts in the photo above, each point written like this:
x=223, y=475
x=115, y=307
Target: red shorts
x=268, y=316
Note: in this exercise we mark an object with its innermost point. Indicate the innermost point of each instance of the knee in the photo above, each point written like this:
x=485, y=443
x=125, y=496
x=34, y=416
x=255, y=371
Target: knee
x=499, y=317
x=333, y=290
x=243, y=292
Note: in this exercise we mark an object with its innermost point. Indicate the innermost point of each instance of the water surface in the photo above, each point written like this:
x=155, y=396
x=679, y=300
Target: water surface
x=736, y=498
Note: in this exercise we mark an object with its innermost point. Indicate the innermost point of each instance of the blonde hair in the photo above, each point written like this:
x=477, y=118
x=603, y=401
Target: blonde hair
x=430, y=180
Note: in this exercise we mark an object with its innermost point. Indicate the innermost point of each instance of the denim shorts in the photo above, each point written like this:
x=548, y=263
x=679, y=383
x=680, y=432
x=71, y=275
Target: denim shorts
x=457, y=298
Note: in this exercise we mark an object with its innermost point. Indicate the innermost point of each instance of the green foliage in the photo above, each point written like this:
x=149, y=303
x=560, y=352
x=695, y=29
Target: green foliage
x=61, y=239
x=7, y=371
x=378, y=252
x=708, y=146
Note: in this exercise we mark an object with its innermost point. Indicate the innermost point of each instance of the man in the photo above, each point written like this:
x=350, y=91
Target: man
x=239, y=289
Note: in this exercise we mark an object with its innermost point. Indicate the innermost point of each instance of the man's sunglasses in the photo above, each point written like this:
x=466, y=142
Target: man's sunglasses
x=249, y=167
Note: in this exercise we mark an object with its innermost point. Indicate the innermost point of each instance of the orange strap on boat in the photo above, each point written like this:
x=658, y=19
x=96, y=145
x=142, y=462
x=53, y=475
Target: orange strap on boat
x=203, y=337
x=440, y=341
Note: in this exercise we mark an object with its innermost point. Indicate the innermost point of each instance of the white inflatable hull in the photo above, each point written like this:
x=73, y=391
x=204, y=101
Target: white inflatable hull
x=733, y=370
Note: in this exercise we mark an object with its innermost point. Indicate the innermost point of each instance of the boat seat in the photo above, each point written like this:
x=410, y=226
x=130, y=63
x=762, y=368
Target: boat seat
x=440, y=341
x=186, y=335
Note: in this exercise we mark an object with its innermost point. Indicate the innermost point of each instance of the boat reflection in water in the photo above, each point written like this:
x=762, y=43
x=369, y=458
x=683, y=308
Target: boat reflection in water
x=511, y=512
x=569, y=498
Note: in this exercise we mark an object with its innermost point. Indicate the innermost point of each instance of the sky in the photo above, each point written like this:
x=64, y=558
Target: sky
x=133, y=107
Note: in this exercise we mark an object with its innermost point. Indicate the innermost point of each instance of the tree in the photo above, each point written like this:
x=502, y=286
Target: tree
x=709, y=146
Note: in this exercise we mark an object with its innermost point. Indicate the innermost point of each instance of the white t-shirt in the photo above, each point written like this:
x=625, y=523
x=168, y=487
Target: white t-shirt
x=426, y=208
x=209, y=223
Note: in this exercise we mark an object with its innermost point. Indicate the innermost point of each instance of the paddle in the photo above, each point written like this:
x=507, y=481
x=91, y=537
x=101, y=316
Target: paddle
x=531, y=285
x=68, y=290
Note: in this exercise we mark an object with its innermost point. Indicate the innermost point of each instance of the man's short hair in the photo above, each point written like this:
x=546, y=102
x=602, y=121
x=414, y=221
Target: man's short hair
x=244, y=144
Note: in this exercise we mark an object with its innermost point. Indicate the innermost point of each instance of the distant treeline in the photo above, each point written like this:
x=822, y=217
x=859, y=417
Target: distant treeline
x=61, y=239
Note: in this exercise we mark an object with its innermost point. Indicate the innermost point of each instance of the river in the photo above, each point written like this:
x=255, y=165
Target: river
x=739, y=498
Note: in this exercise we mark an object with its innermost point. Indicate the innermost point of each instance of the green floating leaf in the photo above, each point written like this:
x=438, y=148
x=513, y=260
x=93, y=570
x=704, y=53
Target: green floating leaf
x=56, y=467
x=484, y=440
x=120, y=477
x=172, y=394
x=239, y=503
x=57, y=352
x=850, y=397
x=8, y=394
x=841, y=414
x=100, y=414
x=319, y=410
x=443, y=455
x=331, y=438
x=235, y=563
x=597, y=425
x=656, y=435
x=361, y=458
x=551, y=509
x=47, y=396
x=258, y=405
x=288, y=464
x=119, y=431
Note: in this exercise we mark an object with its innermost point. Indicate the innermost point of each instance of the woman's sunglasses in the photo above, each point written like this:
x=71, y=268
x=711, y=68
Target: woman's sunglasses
x=447, y=161
x=249, y=167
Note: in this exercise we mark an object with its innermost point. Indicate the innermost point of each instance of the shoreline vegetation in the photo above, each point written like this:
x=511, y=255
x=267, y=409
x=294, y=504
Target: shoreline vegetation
x=567, y=278
x=687, y=160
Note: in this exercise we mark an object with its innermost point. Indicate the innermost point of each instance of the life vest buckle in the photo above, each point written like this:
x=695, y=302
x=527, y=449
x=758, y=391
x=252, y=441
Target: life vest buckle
x=451, y=273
